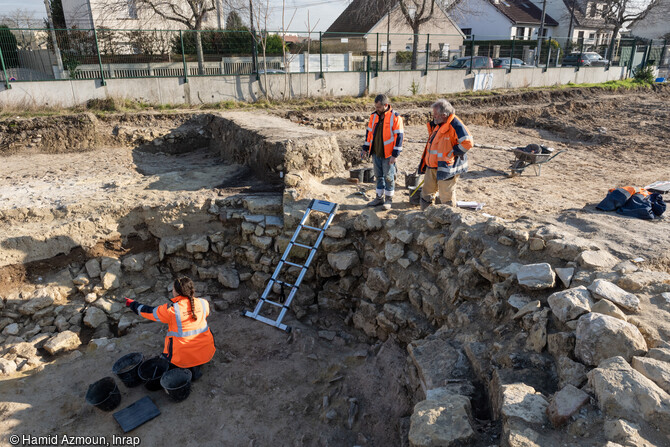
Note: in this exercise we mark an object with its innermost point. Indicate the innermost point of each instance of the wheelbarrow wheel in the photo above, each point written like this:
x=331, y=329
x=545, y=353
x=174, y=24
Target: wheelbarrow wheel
x=517, y=167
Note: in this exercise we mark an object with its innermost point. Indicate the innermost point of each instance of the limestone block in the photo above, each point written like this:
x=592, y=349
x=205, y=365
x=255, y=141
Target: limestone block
x=565, y=275
x=599, y=337
x=94, y=317
x=343, y=261
x=655, y=370
x=606, y=307
x=597, y=259
x=536, y=276
x=571, y=303
x=367, y=221
x=564, y=404
x=229, y=278
x=63, y=342
x=602, y=289
x=441, y=423
x=93, y=268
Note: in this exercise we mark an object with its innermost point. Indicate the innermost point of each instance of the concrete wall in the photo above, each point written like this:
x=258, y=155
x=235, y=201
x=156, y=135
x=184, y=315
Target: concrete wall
x=212, y=89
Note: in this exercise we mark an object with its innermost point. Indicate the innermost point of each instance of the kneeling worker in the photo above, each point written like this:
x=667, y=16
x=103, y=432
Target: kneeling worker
x=445, y=156
x=189, y=343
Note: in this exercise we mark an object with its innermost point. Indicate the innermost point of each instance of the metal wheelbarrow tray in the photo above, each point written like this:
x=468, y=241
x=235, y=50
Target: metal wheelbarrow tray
x=524, y=159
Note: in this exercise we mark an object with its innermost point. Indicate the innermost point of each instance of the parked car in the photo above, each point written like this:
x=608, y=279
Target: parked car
x=586, y=59
x=503, y=62
x=464, y=62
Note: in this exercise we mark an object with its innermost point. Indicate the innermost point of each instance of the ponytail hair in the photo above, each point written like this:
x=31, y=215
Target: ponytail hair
x=185, y=287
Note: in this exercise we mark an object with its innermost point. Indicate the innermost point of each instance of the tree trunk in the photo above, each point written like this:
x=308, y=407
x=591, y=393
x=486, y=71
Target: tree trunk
x=610, y=50
x=201, y=57
x=415, y=47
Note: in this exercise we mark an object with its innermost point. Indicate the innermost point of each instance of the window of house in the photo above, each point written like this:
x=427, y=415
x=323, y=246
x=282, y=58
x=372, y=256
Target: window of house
x=520, y=32
x=593, y=10
x=592, y=36
x=467, y=31
x=580, y=35
x=132, y=9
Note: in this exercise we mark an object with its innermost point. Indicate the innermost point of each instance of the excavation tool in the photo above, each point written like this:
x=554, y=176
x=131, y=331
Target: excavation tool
x=320, y=206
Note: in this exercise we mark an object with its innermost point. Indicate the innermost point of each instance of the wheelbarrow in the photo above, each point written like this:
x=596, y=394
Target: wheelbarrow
x=524, y=159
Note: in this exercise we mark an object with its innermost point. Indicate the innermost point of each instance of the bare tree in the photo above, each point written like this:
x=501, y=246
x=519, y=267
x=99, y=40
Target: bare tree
x=190, y=14
x=414, y=12
x=622, y=12
x=23, y=18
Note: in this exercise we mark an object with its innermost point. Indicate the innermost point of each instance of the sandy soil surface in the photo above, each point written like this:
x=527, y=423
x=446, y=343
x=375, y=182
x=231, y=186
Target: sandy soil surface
x=612, y=141
x=262, y=388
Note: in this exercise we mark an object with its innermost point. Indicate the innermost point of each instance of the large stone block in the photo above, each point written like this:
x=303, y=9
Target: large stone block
x=536, y=276
x=603, y=289
x=599, y=337
x=441, y=423
x=63, y=342
x=570, y=304
x=623, y=392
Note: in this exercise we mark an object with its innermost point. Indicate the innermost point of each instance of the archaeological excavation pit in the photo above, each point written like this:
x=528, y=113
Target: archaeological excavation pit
x=449, y=327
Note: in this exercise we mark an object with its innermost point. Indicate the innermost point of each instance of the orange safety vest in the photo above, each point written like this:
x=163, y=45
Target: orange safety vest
x=439, y=151
x=188, y=342
x=392, y=133
x=632, y=191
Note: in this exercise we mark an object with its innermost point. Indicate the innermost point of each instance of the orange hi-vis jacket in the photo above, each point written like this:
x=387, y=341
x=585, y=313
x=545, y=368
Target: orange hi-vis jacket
x=445, y=142
x=632, y=190
x=393, y=133
x=188, y=342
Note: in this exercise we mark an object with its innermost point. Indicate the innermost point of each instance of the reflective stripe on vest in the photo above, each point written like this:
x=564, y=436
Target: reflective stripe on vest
x=180, y=332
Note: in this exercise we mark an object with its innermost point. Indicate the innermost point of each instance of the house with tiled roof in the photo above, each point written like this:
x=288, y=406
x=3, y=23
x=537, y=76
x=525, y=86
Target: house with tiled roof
x=585, y=25
x=504, y=19
x=365, y=26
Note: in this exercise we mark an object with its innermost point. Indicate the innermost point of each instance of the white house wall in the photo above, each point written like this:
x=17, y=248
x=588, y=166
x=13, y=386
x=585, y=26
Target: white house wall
x=485, y=21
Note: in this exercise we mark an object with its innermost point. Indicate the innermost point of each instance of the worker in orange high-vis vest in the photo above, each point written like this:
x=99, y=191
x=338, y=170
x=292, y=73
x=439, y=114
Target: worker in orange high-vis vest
x=445, y=156
x=383, y=140
x=189, y=343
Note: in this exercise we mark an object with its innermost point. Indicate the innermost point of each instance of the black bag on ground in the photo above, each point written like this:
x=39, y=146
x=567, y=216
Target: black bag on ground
x=614, y=200
x=658, y=206
x=637, y=206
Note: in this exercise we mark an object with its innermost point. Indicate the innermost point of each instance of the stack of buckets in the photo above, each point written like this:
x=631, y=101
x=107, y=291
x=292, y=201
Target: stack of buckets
x=133, y=370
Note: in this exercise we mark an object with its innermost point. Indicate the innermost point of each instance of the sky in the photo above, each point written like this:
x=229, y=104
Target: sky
x=321, y=12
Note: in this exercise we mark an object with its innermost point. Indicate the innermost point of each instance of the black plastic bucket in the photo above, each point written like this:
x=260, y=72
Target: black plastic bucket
x=177, y=383
x=151, y=371
x=126, y=368
x=416, y=198
x=104, y=394
x=357, y=174
x=368, y=175
x=411, y=180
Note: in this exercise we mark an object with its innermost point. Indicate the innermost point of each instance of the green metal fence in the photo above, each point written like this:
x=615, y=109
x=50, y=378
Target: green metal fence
x=29, y=54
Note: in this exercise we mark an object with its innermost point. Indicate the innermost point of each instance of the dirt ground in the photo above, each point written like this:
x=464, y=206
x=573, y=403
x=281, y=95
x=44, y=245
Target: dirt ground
x=608, y=141
x=262, y=388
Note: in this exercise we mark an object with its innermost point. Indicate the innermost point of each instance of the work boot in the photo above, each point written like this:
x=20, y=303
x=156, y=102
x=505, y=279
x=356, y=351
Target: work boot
x=388, y=200
x=379, y=200
x=425, y=204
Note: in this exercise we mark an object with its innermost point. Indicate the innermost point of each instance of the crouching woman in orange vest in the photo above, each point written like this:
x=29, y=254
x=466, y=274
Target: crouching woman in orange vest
x=189, y=343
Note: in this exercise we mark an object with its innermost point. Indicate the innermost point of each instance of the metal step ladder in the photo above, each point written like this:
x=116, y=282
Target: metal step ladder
x=320, y=206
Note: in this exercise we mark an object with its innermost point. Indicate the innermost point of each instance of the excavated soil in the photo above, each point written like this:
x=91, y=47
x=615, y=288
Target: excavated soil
x=311, y=388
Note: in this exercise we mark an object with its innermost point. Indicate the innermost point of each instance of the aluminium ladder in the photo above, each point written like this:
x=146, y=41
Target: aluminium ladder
x=315, y=205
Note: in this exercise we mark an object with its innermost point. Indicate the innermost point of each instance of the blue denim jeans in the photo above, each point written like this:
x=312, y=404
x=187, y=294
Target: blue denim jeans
x=385, y=175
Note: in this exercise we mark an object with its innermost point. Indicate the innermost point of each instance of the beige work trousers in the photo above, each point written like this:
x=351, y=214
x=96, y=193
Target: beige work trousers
x=446, y=189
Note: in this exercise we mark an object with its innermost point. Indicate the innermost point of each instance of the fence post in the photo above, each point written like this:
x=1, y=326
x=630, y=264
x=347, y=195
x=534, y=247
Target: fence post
x=633, y=50
x=377, y=58
x=8, y=86
x=581, y=54
x=665, y=43
x=320, y=54
x=511, y=56
x=427, y=51
x=548, y=56
x=647, y=53
x=367, y=69
x=472, y=54
x=97, y=49
x=183, y=56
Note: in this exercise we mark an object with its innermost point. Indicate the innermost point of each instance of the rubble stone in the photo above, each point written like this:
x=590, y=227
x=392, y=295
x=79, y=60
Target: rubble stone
x=623, y=392
x=571, y=303
x=344, y=260
x=229, y=278
x=564, y=404
x=606, y=307
x=597, y=259
x=536, y=276
x=602, y=289
x=441, y=423
x=65, y=341
x=655, y=370
x=367, y=221
x=565, y=275
x=93, y=268
x=599, y=337
x=94, y=317
x=570, y=372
